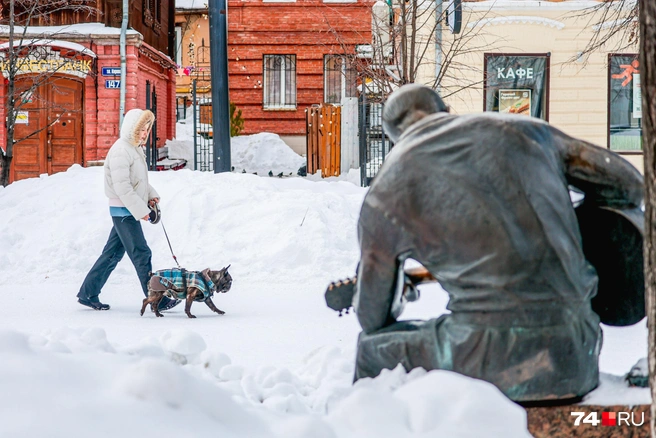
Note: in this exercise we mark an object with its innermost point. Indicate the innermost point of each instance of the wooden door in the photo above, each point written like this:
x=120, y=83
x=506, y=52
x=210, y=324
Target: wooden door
x=65, y=118
x=50, y=129
x=29, y=158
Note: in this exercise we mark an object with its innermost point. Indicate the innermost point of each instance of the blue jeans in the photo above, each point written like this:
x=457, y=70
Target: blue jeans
x=126, y=236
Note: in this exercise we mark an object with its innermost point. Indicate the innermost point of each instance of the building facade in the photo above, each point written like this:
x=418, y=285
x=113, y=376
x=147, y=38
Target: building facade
x=192, y=51
x=68, y=81
x=283, y=57
x=531, y=59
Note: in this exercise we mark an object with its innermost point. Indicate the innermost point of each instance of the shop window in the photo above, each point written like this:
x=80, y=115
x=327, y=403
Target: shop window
x=279, y=81
x=517, y=84
x=339, y=81
x=624, y=104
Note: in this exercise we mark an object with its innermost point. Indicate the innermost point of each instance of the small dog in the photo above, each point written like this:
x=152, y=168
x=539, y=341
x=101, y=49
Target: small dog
x=180, y=284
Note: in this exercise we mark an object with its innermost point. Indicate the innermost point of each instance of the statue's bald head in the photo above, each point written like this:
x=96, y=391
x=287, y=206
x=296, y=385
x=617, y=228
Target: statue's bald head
x=409, y=104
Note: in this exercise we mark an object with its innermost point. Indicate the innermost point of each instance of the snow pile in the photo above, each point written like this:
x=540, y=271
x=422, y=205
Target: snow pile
x=264, y=153
x=78, y=384
x=265, y=227
x=258, y=153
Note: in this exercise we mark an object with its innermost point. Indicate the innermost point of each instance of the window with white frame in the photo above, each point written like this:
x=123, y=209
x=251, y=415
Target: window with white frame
x=279, y=81
x=339, y=80
x=178, y=45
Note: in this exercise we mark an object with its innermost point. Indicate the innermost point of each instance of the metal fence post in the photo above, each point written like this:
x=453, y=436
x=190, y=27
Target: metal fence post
x=362, y=117
x=194, y=103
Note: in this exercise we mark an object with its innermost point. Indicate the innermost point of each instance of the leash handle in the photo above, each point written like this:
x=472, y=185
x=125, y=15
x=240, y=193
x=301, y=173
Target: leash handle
x=169, y=242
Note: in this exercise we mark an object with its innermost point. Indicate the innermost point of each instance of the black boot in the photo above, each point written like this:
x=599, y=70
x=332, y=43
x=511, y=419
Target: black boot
x=95, y=304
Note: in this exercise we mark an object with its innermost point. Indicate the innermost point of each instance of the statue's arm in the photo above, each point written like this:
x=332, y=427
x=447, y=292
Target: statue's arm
x=606, y=178
x=377, y=300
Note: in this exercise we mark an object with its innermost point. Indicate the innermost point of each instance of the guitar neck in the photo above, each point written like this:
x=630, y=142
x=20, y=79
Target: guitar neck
x=339, y=295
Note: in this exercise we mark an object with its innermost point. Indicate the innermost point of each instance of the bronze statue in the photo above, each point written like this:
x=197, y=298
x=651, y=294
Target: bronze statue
x=483, y=202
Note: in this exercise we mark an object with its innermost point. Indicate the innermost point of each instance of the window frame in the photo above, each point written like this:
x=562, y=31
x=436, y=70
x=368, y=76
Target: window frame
x=283, y=85
x=608, y=107
x=178, y=45
x=345, y=74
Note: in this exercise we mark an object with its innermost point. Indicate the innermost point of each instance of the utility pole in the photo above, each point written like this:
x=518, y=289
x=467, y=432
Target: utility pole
x=122, y=52
x=218, y=17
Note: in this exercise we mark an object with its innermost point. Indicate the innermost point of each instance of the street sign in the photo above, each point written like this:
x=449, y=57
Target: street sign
x=112, y=83
x=111, y=71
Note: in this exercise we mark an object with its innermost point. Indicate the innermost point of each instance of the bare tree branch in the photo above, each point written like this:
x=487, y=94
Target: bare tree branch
x=615, y=25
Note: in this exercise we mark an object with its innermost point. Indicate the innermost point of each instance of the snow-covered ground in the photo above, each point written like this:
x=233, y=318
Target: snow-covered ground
x=279, y=363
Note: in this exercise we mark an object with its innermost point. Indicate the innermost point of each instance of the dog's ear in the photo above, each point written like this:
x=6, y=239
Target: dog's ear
x=226, y=268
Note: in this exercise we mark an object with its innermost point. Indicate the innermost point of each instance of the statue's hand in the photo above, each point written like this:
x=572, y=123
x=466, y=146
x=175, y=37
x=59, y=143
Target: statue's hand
x=410, y=292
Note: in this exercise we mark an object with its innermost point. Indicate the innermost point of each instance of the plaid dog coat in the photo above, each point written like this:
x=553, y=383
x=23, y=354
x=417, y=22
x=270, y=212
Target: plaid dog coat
x=174, y=283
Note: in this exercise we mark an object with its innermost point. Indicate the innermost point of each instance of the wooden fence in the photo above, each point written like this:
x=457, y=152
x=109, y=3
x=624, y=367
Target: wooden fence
x=323, y=128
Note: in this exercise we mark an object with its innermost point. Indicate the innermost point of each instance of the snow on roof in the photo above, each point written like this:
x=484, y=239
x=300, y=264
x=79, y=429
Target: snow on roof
x=191, y=4
x=612, y=23
x=57, y=43
x=535, y=4
x=518, y=19
x=82, y=29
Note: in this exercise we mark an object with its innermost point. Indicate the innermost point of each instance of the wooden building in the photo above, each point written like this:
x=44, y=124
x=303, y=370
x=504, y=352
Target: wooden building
x=69, y=80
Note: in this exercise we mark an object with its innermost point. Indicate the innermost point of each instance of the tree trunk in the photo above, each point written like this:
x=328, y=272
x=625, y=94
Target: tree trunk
x=9, y=108
x=5, y=162
x=648, y=85
x=10, y=122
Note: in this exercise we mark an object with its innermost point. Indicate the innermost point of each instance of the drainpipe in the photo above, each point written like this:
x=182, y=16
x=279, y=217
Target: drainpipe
x=124, y=29
x=438, y=41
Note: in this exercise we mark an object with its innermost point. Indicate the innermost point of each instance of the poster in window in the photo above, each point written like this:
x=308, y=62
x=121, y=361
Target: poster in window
x=515, y=102
x=515, y=73
x=625, y=103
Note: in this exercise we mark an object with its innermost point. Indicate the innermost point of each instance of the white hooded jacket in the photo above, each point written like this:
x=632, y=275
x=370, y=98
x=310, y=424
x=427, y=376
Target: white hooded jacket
x=126, y=172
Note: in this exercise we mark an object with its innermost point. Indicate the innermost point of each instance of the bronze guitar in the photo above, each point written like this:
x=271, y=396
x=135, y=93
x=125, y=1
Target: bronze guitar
x=339, y=294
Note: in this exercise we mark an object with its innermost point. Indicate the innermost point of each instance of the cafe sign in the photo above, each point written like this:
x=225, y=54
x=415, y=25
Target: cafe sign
x=52, y=63
x=510, y=73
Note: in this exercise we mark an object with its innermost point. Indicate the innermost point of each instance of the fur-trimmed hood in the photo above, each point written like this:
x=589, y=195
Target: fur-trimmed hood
x=133, y=122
